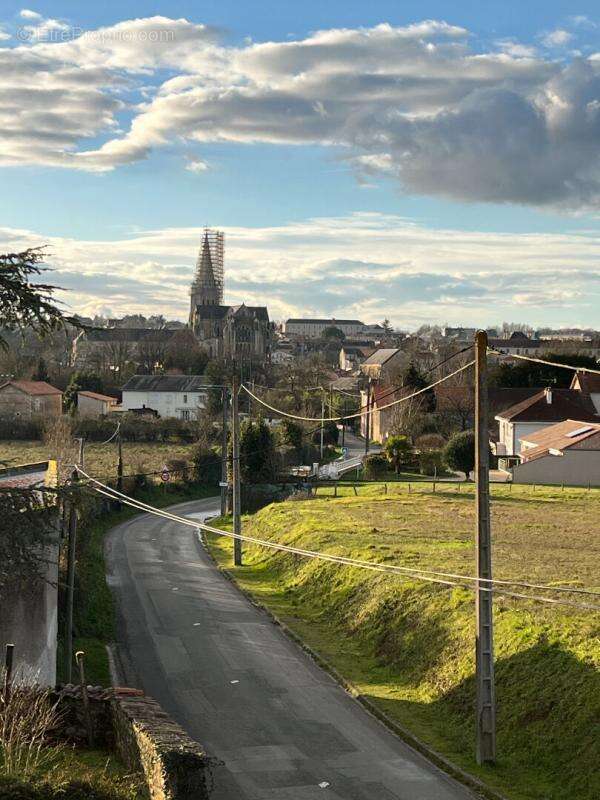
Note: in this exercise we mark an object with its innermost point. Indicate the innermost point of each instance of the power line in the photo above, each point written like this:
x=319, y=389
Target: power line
x=417, y=573
x=547, y=363
x=360, y=413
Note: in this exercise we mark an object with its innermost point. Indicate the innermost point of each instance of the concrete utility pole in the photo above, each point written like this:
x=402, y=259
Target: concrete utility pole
x=119, y=466
x=368, y=418
x=486, y=693
x=224, y=488
x=237, y=511
x=71, y=553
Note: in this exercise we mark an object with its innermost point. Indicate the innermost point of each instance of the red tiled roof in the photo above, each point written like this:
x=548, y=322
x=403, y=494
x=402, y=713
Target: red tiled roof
x=97, y=396
x=560, y=437
x=566, y=404
x=33, y=387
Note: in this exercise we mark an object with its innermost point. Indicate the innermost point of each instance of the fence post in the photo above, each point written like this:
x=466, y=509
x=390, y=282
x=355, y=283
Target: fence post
x=8, y=668
x=84, y=696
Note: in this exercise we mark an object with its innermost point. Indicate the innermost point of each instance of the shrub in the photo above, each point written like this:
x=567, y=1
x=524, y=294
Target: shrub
x=257, y=452
x=376, y=466
x=179, y=468
x=292, y=433
x=206, y=466
x=431, y=462
x=331, y=434
x=430, y=441
x=398, y=451
x=459, y=453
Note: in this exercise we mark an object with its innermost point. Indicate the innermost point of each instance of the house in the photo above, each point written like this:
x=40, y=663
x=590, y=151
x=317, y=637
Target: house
x=567, y=452
x=384, y=364
x=313, y=328
x=104, y=349
x=517, y=344
x=180, y=396
x=94, y=404
x=544, y=408
x=382, y=418
x=351, y=356
x=589, y=383
x=29, y=398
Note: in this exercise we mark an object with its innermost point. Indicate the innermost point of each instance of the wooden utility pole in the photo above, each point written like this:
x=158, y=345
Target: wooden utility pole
x=237, y=511
x=71, y=554
x=81, y=454
x=368, y=418
x=486, y=694
x=322, y=417
x=224, y=488
x=119, y=462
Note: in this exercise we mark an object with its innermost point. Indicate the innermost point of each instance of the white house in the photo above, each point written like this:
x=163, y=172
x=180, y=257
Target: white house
x=180, y=396
x=538, y=411
x=568, y=452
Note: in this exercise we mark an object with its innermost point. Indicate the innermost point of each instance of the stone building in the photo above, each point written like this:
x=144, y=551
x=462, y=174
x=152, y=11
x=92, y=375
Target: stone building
x=242, y=332
x=114, y=349
x=30, y=398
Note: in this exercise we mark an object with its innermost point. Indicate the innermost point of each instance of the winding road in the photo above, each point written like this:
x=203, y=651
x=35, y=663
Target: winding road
x=283, y=728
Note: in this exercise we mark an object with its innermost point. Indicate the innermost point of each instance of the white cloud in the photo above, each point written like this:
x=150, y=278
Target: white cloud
x=197, y=165
x=556, y=38
x=367, y=265
x=27, y=13
x=414, y=102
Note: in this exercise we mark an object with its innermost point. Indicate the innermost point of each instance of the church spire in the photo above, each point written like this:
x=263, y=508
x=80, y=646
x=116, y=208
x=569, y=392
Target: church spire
x=207, y=288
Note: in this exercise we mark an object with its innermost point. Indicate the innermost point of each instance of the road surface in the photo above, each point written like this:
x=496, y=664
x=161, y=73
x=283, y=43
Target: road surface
x=282, y=726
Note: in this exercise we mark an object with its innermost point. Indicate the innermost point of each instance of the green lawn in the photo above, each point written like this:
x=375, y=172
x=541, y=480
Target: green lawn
x=409, y=646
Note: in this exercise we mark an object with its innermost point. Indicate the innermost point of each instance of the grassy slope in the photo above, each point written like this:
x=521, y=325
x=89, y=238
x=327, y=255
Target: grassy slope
x=94, y=612
x=77, y=774
x=409, y=646
x=100, y=459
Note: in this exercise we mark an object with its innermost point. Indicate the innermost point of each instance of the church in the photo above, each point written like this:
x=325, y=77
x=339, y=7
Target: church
x=241, y=332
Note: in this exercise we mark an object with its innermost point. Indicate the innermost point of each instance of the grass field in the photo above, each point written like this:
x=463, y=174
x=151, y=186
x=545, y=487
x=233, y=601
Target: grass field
x=100, y=459
x=409, y=646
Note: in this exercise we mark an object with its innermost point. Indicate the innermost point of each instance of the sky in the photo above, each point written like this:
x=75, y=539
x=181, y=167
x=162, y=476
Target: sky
x=425, y=162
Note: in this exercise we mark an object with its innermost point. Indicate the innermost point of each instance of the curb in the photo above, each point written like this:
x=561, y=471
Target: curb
x=440, y=761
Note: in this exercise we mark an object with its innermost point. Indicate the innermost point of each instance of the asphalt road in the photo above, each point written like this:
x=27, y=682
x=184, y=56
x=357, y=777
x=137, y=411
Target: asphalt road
x=282, y=726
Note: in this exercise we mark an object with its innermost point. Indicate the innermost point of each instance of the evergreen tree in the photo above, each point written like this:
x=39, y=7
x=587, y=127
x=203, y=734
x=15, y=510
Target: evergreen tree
x=257, y=452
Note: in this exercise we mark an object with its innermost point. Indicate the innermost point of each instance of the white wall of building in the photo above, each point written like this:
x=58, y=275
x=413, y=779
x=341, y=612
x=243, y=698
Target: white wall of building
x=511, y=433
x=315, y=329
x=574, y=467
x=182, y=405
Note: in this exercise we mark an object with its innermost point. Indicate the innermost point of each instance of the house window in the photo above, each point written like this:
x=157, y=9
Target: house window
x=185, y=414
x=185, y=398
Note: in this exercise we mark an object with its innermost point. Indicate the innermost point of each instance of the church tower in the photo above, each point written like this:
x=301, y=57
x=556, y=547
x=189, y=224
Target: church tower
x=207, y=288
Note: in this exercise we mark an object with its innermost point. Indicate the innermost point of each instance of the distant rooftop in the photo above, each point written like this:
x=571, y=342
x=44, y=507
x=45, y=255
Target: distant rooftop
x=165, y=383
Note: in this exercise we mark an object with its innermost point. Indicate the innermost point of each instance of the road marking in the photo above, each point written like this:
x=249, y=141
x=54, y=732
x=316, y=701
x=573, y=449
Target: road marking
x=233, y=681
x=324, y=784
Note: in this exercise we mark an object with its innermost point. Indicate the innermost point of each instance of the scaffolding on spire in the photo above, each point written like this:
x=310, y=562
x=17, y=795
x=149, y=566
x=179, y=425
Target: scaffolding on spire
x=207, y=288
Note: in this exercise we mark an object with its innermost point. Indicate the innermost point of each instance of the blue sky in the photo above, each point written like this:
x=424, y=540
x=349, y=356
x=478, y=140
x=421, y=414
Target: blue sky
x=422, y=147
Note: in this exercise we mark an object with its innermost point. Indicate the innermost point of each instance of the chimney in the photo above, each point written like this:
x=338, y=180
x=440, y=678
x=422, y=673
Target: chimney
x=549, y=396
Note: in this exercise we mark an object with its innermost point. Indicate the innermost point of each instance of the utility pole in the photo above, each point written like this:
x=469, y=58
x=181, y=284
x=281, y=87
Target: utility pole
x=119, y=466
x=486, y=693
x=237, y=511
x=322, y=417
x=344, y=425
x=224, y=488
x=80, y=459
x=71, y=583
x=368, y=418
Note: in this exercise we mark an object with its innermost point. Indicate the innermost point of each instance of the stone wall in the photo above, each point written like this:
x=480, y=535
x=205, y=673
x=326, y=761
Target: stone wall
x=144, y=736
x=147, y=739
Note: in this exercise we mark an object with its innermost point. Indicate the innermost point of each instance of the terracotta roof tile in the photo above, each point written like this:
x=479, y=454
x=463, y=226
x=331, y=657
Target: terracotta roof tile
x=33, y=387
